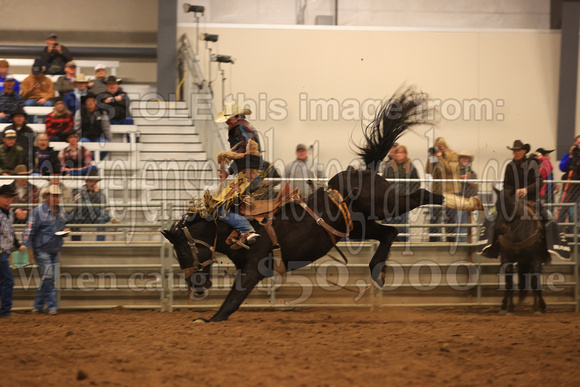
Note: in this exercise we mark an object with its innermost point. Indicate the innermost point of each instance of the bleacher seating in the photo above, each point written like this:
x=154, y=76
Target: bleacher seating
x=86, y=67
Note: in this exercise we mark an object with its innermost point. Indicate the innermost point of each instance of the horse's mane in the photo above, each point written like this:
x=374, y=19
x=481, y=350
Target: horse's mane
x=403, y=110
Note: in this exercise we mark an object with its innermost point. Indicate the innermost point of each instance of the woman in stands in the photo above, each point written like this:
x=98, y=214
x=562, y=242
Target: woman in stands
x=59, y=122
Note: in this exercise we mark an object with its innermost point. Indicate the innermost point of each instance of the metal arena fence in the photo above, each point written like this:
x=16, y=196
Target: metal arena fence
x=122, y=259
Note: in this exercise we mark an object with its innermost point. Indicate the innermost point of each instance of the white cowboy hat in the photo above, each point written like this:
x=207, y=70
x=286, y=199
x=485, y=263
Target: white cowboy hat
x=52, y=189
x=231, y=109
x=81, y=78
x=465, y=153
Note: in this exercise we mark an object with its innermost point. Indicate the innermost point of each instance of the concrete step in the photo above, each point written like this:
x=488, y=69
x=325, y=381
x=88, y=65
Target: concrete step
x=169, y=138
x=161, y=121
x=139, y=91
x=161, y=130
x=170, y=148
x=151, y=104
x=177, y=156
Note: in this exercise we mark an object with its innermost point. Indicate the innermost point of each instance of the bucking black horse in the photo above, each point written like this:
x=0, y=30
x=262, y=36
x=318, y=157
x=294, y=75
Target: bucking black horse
x=304, y=231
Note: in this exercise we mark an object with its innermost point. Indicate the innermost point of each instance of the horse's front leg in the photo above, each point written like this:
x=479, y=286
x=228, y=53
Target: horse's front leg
x=507, y=305
x=245, y=281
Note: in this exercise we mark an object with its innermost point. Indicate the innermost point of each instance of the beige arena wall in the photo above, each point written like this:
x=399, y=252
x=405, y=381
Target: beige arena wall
x=284, y=69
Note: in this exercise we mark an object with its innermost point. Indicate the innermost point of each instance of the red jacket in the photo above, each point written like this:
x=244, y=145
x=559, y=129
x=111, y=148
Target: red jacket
x=58, y=126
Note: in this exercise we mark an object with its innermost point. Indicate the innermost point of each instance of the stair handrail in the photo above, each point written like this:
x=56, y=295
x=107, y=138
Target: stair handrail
x=212, y=135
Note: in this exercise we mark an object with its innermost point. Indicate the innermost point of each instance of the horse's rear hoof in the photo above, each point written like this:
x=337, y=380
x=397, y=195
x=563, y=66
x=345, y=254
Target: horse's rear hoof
x=539, y=313
x=200, y=321
x=505, y=313
x=379, y=276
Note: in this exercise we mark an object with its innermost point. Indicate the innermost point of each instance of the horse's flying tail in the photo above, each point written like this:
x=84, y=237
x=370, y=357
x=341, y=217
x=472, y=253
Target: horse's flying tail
x=403, y=110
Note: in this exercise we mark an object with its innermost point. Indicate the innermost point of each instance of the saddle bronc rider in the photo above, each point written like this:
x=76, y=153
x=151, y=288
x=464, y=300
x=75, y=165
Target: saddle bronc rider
x=522, y=179
x=247, y=164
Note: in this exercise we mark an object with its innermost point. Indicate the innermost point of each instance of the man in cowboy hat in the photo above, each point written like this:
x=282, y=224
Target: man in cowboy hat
x=26, y=192
x=24, y=134
x=116, y=102
x=44, y=234
x=8, y=241
x=91, y=194
x=522, y=179
x=240, y=131
x=72, y=100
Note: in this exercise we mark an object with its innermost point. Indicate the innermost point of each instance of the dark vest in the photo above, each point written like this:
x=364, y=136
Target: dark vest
x=91, y=130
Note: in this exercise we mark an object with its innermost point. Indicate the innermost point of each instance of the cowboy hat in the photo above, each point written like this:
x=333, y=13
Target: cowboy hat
x=81, y=78
x=465, y=153
x=7, y=190
x=518, y=145
x=543, y=151
x=18, y=111
x=53, y=189
x=21, y=170
x=231, y=109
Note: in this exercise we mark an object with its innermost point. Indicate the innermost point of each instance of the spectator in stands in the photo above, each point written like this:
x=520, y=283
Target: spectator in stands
x=92, y=124
x=116, y=102
x=59, y=122
x=91, y=194
x=54, y=56
x=37, y=88
x=46, y=160
x=8, y=241
x=66, y=198
x=11, y=154
x=442, y=165
x=4, y=73
x=98, y=85
x=72, y=100
x=10, y=100
x=548, y=190
x=302, y=169
x=467, y=189
x=24, y=134
x=401, y=167
x=26, y=192
x=44, y=235
x=570, y=165
x=65, y=83
x=75, y=159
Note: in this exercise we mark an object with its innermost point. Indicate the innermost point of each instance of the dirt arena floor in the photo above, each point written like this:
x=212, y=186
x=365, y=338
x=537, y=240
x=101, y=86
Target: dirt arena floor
x=328, y=347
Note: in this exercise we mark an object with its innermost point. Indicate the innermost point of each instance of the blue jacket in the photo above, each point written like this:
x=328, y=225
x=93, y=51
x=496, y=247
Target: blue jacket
x=39, y=231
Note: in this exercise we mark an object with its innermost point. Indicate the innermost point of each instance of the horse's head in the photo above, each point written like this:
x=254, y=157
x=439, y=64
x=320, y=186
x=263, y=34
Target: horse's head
x=510, y=205
x=193, y=245
x=520, y=226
